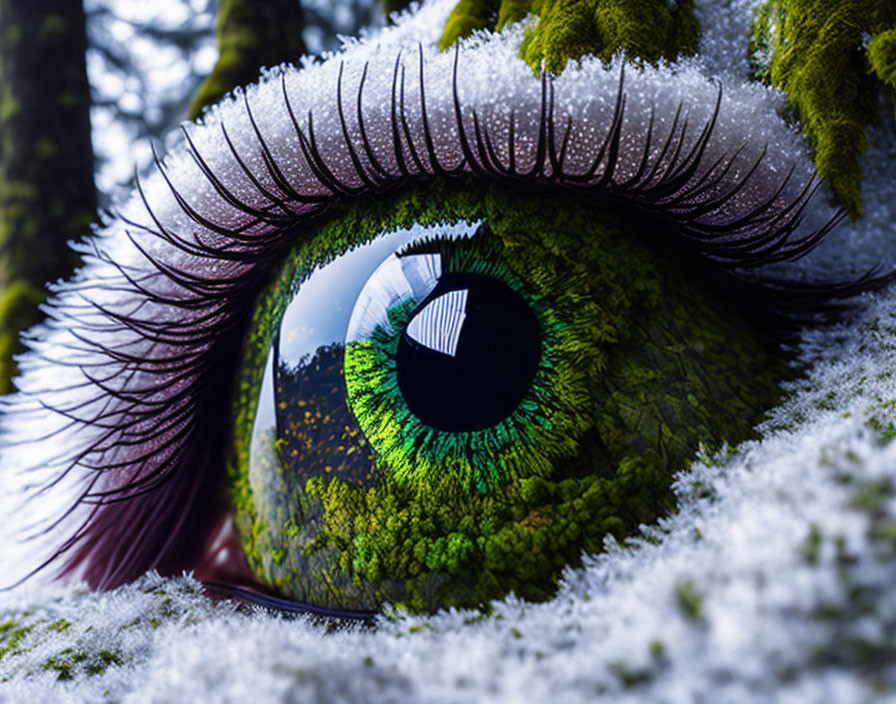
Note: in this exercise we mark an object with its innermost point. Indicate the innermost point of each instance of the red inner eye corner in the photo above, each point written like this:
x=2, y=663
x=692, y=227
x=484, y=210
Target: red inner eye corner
x=223, y=564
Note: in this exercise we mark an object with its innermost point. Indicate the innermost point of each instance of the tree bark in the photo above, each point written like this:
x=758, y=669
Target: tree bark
x=47, y=194
x=390, y=6
x=251, y=34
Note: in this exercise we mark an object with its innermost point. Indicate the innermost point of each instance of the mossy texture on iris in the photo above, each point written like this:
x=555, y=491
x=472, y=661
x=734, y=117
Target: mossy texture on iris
x=648, y=30
x=829, y=57
x=541, y=431
x=662, y=367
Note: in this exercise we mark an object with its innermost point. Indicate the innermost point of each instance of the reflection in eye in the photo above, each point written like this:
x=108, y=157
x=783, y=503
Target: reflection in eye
x=134, y=414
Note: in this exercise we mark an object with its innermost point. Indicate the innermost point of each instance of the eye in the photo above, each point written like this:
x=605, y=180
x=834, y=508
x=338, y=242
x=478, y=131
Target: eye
x=135, y=412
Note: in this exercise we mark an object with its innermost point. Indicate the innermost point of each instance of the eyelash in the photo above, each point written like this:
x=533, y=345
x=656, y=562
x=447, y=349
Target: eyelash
x=141, y=507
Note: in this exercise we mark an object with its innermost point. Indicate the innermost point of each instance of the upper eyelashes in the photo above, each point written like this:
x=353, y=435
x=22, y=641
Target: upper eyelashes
x=136, y=401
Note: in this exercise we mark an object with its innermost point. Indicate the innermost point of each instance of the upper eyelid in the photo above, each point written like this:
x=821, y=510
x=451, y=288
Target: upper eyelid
x=183, y=267
x=397, y=103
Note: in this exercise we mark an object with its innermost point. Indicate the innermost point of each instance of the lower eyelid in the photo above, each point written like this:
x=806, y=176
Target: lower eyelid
x=188, y=282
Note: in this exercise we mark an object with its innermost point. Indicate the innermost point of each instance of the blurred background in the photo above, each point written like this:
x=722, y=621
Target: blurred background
x=86, y=88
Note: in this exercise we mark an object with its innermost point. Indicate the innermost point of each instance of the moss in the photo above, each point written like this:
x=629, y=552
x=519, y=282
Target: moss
x=630, y=677
x=530, y=439
x=45, y=148
x=12, y=637
x=690, y=603
x=390, y=6
x=70, y=662
x=648, y=30
x=18, y=311
x=657, y=649
x=52, y=24
x=882, y=56
x=248, y=40
x=815, y=51
x=466, y=17
x=812, y=545
x=872, y=496
x=661, y=367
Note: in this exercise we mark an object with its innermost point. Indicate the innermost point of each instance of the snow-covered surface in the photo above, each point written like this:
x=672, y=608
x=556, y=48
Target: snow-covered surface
x=773, y=582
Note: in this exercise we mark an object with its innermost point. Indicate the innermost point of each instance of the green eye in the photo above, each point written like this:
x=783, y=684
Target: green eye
x=459, y=392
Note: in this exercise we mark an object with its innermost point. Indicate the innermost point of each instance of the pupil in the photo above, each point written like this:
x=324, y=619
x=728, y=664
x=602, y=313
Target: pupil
x=469, y=353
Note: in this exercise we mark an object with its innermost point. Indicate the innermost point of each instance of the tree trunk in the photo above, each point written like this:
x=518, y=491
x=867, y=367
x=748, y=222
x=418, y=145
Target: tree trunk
x=47, y=194
x=251, y=34
x=390, y=6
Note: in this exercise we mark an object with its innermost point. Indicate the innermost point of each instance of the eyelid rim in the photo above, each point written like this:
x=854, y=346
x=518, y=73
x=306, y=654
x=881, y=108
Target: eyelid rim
x=97, y=553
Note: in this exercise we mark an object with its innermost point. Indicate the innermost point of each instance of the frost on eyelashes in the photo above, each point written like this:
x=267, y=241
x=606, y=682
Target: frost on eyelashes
x=113, y=425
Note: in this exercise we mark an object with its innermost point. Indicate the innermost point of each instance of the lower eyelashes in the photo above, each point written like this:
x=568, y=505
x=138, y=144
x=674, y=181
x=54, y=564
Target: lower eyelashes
x=151, y=327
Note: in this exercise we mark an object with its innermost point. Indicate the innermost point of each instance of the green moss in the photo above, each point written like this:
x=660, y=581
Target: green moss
x=541, y=430
x=657, y=649
x=12, y=637
x=45, y=148
x=690, y=603
x=812, y=545
x=630, y=677
x=247, y=41
x=60, y=625
x=390, y=6
x=882, y=56
x=70, y=662
x=466, y=17
x=52, y=24
x=647, y=30
x=815, y=51
x=513, y=11
x=660, y=367
x=9, y=108
x=18, y=311
x=871, y=496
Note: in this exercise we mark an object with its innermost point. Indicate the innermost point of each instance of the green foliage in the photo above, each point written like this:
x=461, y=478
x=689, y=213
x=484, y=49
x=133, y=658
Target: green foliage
x=647, y=30
x=816, y=51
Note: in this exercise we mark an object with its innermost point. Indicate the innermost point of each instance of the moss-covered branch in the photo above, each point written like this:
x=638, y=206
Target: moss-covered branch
x=251, y=34
x=390, y=6
x=649, y=30
x=829, y=57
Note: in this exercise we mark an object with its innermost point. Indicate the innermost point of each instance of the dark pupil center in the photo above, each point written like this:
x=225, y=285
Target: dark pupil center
x=468, y=354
